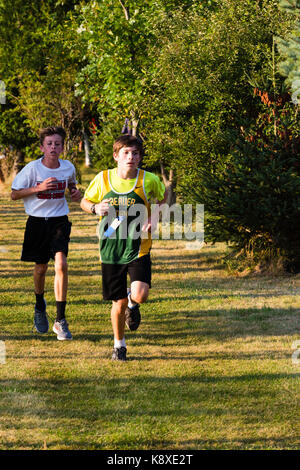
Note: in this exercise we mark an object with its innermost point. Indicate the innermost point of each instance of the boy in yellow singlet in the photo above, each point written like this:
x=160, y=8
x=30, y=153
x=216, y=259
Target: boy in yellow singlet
x=120, y=191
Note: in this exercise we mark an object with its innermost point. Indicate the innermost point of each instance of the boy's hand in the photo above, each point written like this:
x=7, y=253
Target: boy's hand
x=75, y=194
x=150, y=225
x=46, y=185
x=102, y=208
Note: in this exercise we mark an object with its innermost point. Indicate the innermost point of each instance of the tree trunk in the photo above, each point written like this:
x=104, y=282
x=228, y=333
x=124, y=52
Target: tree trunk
x=86, y=150
x=134, y=127
x=169, y=183
x=125, y=9
x=2, y=177
x=18, y=162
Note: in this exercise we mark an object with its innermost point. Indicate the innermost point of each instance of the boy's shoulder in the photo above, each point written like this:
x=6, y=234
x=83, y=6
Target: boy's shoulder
x=37, y=161
x=65, y=163
x=151, y=176
x=32, y=164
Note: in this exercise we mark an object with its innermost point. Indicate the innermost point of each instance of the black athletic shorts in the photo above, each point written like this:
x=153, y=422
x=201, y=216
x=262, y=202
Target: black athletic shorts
x=44, y=237
x=114, y=277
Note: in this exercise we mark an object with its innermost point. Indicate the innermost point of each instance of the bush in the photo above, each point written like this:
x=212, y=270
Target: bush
x=253, y=201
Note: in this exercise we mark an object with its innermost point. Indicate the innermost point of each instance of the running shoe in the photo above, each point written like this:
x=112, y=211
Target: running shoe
x=41, y=323
x=119, y=354
x=133, y=317
x=61, y=328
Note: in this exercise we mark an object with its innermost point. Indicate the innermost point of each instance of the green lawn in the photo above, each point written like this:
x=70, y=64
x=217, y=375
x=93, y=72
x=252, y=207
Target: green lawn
x=209, y=368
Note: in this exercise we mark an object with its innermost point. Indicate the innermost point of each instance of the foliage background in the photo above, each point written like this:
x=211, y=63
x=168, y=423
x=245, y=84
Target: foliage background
x=196, y=80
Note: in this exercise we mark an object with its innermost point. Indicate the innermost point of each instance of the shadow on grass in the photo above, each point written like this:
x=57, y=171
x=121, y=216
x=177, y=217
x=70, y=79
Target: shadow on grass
x=216, y=296
x=137, y=397
x=179, y=270
x=84, y=239
x=51, y=337
x=41, y=383
x=184, y=326
x=16, y=274
x=200, y=256
x=222, y=324
x=156, y=447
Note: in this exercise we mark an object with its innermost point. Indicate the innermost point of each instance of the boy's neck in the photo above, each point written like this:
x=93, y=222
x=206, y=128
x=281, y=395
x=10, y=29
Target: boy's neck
x=51, y=163
x=127, y=174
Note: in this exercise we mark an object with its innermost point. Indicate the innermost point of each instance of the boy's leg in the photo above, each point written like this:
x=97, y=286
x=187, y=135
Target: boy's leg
x=139, y=292
x=60, y=326
x=118, y=318
x=61, y=276
x=35, y=249
x=40, y=318
x=60, y=229
x=114, y=287
x=39, y=275
x=140, y=277
x=118, y=325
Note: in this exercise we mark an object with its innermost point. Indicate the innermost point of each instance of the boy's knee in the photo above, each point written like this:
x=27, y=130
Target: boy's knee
x=119, y=306
x=40, y=269
x=139, y=292
x=140, y=298
x=61, y=264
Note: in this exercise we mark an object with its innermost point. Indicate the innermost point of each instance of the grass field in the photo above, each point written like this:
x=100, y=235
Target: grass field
x=209, y=368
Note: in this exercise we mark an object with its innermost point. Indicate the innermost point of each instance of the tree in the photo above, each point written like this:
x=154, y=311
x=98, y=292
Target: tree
x=252, y=194
x=252, y=200
x=117, y=37
x=290, y=49
x=206, y=60
x=38, y=70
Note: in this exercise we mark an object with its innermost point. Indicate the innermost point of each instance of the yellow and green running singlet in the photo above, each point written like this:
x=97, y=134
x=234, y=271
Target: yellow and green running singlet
x=120, y=248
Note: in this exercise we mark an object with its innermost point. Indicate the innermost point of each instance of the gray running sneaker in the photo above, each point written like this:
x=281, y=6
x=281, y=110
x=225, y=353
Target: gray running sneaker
x=41, y=323
x=119, y=354
x=62, y=330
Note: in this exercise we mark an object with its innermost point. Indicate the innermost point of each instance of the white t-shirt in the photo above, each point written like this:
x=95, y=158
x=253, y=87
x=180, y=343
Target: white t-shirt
x=51, y=203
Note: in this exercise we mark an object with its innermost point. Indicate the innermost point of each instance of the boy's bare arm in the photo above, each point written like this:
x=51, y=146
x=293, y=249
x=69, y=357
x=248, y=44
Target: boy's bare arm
x=46, y=185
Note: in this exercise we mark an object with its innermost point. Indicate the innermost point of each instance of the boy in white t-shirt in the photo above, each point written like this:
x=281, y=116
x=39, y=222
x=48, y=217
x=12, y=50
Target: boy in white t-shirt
x=42, y=184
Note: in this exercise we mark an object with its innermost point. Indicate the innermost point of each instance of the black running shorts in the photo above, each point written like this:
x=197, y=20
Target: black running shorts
x=114, y=277
x=45, y=237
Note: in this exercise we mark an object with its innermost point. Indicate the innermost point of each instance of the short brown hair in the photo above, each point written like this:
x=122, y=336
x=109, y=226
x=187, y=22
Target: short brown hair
x=51, y=131
x=128, y=140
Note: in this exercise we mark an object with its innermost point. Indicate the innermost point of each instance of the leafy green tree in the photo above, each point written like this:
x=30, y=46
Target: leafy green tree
x=117, y=37
x=252, y=195
x=38, y=70
x=18, y=50
x=231, y=151
x=206, y=61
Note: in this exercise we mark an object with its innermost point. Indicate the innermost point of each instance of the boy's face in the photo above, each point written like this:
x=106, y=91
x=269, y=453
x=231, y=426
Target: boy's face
x=52, y=146
x=128, y=158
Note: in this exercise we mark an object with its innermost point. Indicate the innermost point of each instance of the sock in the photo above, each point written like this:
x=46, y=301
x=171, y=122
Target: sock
x=131, y=304
x=60, y=310
x=119, y=343
x=40, y=302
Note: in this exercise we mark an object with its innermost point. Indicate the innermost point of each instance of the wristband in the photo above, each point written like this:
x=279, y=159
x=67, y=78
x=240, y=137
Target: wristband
x=93, y=209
